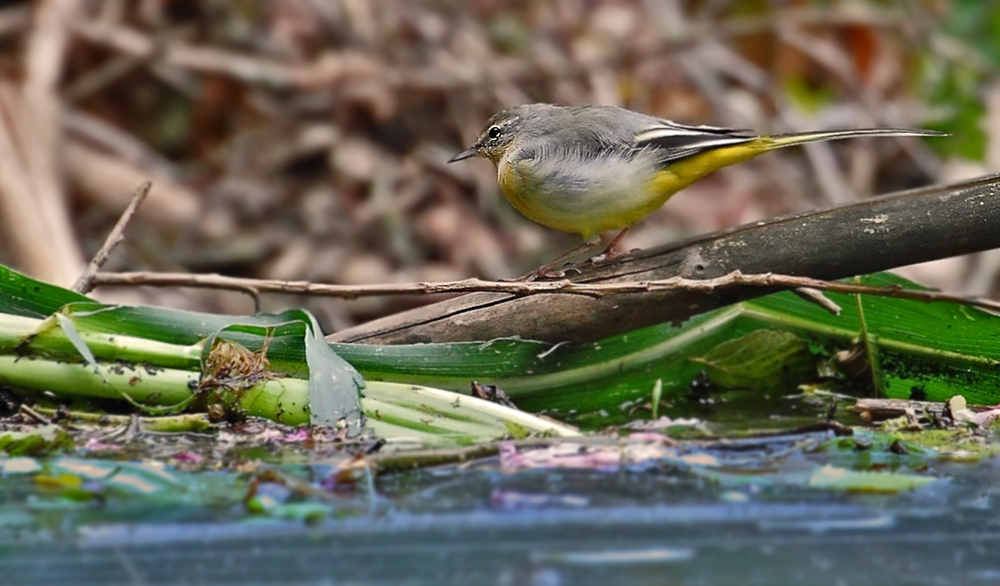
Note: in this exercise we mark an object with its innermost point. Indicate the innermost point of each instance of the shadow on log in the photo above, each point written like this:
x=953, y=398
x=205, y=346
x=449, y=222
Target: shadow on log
x=864, y=237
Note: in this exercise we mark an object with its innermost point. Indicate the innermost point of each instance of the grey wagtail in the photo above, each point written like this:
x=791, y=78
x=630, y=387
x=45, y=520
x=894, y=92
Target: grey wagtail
x=588, y=169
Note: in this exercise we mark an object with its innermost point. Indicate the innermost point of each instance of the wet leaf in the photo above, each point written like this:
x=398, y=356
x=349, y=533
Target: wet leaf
x=760, y=360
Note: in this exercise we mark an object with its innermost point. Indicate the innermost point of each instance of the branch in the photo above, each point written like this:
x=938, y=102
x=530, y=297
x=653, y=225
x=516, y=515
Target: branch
x=86, y=281
x=675, y=282
x=563, y=286
x=864, y=237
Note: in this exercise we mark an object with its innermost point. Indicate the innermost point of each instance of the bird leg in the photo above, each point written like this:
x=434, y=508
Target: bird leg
x=553, y=268
x=610, y=251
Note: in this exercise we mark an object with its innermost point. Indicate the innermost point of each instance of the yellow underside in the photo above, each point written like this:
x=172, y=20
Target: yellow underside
x=589, y=221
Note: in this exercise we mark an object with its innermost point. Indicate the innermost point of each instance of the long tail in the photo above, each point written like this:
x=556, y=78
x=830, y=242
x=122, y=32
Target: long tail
x=783, y=140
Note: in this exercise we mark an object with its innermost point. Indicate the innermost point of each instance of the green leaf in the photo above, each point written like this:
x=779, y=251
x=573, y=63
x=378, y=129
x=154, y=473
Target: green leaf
x=293, y=339
x=760, y=360
x=168, y=365
x=433, y=416
x=942, y=349
x=27, y=297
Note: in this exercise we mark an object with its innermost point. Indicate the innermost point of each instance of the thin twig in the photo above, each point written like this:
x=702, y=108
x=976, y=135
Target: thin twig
x=733, y=279
x=86, y=281
x=813, y=296
x=38, y=417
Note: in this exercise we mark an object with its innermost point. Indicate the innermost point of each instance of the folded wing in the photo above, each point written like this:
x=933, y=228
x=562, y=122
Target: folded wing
x=672, y=141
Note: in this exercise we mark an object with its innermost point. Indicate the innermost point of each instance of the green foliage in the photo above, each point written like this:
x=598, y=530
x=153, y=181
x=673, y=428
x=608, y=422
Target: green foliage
x=942, y=349
x=163, y=361
x=955, y=82
x=42, y=441
x=30, y=298
x=976, y=23
x=292, y=341
x=760, y=360
x=810, y=98
x=746, y=353
x=956, y=90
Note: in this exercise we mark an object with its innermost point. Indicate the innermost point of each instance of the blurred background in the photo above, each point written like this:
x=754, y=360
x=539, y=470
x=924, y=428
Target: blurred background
x=307, y=139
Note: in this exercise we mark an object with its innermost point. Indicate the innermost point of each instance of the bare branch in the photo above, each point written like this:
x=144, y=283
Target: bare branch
x=563, y=286
x=861, y=238
x=85, y=283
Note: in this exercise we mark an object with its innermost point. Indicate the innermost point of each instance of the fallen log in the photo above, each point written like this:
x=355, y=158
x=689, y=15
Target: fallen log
x=868, y=236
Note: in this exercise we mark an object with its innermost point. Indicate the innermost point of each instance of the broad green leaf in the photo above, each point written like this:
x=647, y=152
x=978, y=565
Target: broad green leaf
x=27, y=297
x=78, y=351
x=942, y=349
x=760, y=360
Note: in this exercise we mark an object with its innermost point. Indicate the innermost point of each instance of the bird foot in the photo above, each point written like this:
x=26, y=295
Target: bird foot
x=599, y=259
x=545, y=273
x=608, y=255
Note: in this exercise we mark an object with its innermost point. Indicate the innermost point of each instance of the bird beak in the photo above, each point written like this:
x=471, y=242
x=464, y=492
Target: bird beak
x=464, y=155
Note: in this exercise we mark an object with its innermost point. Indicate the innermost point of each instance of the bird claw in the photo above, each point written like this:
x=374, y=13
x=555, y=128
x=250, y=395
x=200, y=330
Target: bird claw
x=604, y=257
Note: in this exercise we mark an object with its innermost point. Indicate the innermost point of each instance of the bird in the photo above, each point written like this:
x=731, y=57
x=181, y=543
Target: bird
x=592, y=169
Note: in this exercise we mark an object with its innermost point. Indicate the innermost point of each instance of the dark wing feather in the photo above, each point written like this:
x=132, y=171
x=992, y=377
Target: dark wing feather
x=673, y=141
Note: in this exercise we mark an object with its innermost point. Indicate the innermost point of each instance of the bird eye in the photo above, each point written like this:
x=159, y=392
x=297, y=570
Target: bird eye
x=494, y=131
